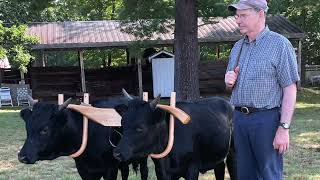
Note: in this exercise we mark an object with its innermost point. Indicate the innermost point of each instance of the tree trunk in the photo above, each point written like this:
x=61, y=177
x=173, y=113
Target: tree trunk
x=186, y=82
x=109, y=59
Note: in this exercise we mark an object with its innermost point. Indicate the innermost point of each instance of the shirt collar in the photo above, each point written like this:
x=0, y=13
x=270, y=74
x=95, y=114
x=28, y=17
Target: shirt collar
x=260, y=36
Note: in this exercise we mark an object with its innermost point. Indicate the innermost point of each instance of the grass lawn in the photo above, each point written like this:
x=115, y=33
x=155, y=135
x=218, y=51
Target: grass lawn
x=302, y=162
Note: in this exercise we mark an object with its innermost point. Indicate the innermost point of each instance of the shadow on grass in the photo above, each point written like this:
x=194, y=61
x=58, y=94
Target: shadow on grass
x=302, y=160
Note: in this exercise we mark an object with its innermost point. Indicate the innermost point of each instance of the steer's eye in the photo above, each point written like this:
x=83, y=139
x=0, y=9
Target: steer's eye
x=44, y=131
x=139, y=129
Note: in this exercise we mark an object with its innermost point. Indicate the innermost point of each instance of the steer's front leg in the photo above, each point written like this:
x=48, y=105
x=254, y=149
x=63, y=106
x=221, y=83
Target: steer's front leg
x=83, y=171
x=219, y=171
x=193, y=172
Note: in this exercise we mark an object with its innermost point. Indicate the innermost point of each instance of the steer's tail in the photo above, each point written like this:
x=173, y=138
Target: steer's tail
x=231, y=161
x=231, y=158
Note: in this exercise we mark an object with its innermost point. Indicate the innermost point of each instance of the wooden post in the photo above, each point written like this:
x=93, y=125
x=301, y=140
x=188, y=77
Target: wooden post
x=145, y=96
x=43, y=58
x=40, y=61
x=128, y=56
x=82, y=74
x=299, y=64
x=60, y=99
x=86, y=98
x=1, y=75
x=104, y=61
x=218, y=52
x=140, y=77
x=22, y=81
x=109, y=58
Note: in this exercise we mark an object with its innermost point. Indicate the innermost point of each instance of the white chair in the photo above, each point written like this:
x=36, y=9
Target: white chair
x=5, y=96
x=22, y=96
x=315, y=79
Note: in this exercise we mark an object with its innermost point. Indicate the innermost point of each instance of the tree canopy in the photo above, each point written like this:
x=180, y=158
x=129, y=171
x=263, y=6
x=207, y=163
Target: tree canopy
x=15, y=44
x=143, y=18
x=304, y=13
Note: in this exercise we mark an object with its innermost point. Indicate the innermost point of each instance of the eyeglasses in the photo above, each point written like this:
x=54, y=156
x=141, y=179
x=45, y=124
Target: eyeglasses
x=241, y=16
x=245, y=16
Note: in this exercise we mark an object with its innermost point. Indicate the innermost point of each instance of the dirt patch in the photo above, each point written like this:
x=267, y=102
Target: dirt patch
x=6, y=165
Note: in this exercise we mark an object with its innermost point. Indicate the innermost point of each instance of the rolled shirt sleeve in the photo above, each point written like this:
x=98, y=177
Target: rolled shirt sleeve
x=287, y=68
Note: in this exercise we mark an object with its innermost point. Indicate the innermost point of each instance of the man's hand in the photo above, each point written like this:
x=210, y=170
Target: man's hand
x=281, y=140
x=231, y=77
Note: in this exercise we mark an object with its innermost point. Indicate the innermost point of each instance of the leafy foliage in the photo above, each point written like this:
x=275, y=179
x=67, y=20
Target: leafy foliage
x=23, y=11
x=15, y=44
x=98, y=58
x=83, y=10
x=306, y=14
x=144, y=17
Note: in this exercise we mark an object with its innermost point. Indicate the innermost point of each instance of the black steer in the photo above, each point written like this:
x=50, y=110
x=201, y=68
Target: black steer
x=53, y=131
x=199, y=146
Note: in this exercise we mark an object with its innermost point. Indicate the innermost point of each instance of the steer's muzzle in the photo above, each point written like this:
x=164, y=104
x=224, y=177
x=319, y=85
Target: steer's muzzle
x=118, y=156
x=24, y=159
x=122, y=154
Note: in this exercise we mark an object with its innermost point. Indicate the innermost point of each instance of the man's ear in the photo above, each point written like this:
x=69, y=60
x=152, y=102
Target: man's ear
x=25, y=114
x=121, y=109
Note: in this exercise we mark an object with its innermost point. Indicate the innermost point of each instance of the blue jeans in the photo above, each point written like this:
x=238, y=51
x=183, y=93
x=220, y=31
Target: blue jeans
x=253, y=137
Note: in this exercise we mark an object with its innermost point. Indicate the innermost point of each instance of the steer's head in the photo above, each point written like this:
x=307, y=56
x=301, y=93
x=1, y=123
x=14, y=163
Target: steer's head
x=141, y=129
x=44, y=124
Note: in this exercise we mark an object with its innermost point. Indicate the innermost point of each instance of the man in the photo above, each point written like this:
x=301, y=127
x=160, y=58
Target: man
x=262, y=74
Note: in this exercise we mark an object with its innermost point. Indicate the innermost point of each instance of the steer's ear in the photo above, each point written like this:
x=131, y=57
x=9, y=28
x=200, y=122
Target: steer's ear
x=121, y=109
x=25, y=114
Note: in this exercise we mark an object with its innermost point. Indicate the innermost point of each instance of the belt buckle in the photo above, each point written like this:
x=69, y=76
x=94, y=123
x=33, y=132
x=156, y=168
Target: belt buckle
x=245, y=110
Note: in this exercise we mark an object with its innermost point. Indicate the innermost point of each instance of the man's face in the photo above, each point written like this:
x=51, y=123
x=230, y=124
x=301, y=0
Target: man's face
x=247, y=20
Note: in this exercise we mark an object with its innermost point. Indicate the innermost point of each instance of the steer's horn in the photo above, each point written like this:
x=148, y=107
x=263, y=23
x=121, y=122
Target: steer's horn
x=65, y=104
x=31, y=100
x=176, y=112
x=154, y=102
x=124, y=92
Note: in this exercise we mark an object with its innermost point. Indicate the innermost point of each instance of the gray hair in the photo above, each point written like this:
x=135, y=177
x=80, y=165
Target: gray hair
x=259, y=9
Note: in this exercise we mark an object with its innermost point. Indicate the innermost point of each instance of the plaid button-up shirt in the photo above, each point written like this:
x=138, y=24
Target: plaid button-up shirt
x=267, y=65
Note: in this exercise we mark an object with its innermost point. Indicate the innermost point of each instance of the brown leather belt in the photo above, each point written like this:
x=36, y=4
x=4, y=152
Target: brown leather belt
x=248, y=110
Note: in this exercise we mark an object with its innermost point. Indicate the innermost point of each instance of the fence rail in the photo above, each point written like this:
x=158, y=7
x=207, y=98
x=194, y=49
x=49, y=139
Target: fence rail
x=312, y=67
x=47, y=82
x=12, y=76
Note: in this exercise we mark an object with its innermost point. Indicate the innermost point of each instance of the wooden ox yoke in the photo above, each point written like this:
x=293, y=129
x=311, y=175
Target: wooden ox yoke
x=104, y=116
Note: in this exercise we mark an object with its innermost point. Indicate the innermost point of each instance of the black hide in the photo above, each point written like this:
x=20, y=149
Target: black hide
x=201, y=145
x=52, y=133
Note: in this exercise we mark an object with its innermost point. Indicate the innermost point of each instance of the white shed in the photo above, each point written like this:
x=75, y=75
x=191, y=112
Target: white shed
x=162, y=73
x=4, y=63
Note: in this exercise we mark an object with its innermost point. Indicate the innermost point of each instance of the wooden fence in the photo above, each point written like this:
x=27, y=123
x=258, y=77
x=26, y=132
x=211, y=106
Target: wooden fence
x=211, y=78
x=12, y=76
x=312, y=72
x=47, y=82
x=312, y=67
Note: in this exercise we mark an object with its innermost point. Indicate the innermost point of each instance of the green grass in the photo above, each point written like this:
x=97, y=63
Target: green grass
x=302, y=161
